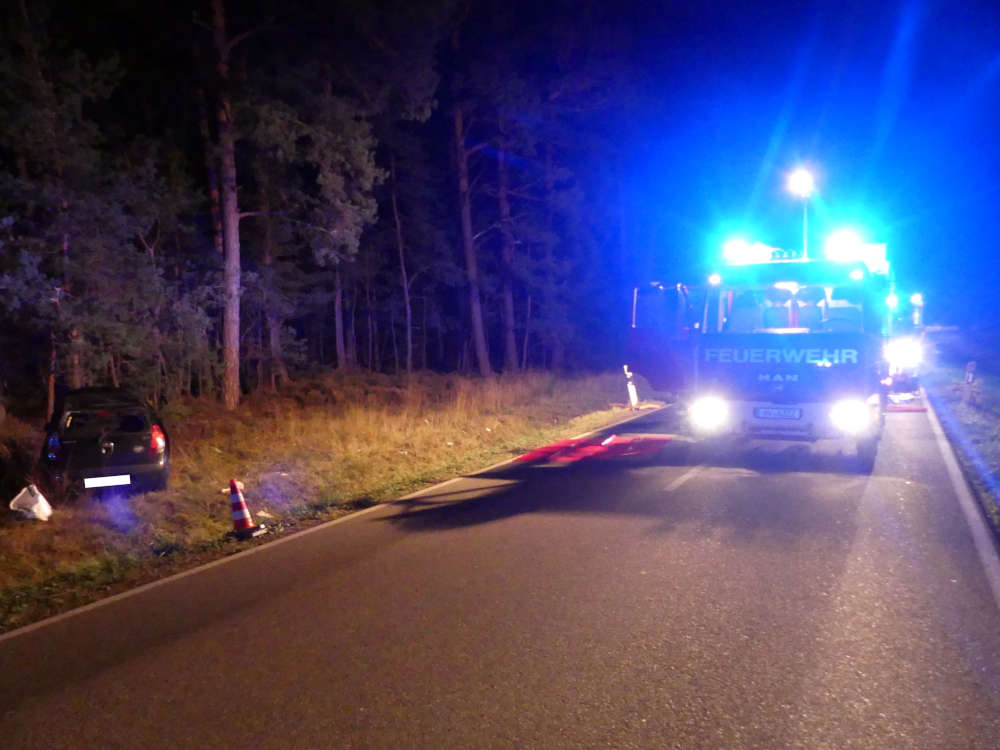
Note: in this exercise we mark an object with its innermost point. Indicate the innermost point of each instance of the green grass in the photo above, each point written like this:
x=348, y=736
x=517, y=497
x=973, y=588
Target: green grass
x=324, y=447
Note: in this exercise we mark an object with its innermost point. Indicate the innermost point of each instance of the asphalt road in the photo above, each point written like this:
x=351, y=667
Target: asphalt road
x=769, y=599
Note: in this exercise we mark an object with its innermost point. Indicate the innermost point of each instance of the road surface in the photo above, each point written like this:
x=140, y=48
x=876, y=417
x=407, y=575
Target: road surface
x=770, y=599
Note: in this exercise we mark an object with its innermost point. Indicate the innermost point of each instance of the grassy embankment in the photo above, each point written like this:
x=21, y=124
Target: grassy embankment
x=970, y=414
x=322, y=448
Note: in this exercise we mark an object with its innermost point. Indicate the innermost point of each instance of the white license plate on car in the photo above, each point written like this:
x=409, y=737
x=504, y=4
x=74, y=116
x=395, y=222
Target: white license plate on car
x=777, y=412
x=115, y=481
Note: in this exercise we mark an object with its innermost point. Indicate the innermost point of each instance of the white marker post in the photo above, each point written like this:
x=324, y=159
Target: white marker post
x=633, y=395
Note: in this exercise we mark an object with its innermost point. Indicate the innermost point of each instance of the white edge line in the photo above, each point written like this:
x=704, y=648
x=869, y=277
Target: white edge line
x=24, y=630
x=981, y=535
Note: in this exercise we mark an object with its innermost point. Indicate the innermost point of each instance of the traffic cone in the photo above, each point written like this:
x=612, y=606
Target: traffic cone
x=243, y=525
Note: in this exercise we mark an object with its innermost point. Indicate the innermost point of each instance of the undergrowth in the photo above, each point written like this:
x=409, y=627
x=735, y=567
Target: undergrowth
x=970, y=413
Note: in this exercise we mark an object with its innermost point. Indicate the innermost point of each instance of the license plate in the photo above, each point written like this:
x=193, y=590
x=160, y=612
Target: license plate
x=777, y=412
x=91, y=482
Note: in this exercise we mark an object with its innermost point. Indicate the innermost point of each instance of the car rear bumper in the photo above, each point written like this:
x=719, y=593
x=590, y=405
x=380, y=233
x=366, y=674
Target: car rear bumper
x=112, y=476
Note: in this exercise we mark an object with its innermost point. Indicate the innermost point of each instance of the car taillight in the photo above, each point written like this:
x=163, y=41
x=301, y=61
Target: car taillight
x=157, y=441
x=52, y=447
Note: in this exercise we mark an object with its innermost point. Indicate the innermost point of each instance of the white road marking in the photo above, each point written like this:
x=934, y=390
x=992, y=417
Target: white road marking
x=689, y=474
x=981, y=535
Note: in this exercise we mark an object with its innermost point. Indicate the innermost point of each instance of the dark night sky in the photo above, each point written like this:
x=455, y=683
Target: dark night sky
x=894, y=105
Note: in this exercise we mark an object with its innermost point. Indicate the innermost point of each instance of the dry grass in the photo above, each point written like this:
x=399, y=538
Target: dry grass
x=324, y=447
x=971, y=414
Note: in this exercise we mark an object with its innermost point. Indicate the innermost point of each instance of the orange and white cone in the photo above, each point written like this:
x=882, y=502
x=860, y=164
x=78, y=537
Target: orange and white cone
x=243, y=525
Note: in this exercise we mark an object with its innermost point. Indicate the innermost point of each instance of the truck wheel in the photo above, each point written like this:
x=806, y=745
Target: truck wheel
x=866, y=452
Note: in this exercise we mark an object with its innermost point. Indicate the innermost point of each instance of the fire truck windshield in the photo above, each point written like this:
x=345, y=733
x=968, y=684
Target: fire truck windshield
x=787, y=307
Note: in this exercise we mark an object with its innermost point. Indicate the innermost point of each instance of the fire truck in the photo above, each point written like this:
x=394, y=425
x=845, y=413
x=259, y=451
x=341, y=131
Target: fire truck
x=773, y=345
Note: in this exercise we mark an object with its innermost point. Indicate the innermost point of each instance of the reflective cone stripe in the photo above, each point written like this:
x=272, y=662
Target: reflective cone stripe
x=242, y=520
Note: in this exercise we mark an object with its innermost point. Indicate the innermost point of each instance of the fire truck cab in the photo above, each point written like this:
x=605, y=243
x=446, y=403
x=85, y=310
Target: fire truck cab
x=772, y=346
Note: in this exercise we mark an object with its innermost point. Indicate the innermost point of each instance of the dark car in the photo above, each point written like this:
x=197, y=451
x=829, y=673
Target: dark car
x=105, y=437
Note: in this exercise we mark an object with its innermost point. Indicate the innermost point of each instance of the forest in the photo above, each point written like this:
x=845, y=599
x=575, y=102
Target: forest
x=212, y=197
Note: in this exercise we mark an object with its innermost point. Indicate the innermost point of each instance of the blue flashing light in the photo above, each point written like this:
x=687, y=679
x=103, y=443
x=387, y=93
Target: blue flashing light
x=846, y=245
x=736, y=250
x=917, y=300
x=715, y=279
x=892, y=301
x=857, y=274
x=739, y=252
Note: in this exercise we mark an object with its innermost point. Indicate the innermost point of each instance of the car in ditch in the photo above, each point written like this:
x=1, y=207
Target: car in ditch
x=105, y=437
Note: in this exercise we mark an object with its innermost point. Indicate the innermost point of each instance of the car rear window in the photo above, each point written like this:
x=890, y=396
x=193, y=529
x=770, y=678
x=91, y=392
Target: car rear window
x=94, y=422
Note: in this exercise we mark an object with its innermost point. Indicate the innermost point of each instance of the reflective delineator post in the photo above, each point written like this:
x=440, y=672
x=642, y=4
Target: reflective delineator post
x=633, y=395
x=243, y=525
x=970, y=379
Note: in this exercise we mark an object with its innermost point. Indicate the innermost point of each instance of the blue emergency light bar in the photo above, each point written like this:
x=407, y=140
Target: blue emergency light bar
x=843, y=246
x=739, y=252
x=846, y=246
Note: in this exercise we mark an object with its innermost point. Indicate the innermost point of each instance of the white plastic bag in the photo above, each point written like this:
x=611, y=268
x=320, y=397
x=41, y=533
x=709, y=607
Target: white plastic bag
x=32, y=503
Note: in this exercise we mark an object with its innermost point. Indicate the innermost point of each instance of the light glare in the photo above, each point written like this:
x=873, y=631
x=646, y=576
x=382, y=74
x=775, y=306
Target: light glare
x=904, y=354
x=850, y=416
x=801, y=183
x=844, y=244
x=736, y=250
x=708, y=413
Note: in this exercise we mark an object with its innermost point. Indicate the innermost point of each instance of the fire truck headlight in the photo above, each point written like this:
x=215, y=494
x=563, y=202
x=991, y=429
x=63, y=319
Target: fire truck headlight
x=708, y=413
x=904, y=354
x=851, y=416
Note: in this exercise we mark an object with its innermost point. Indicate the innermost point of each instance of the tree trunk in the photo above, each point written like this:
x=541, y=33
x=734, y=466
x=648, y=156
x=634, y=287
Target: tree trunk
x=550, y=299
x=214, y=201
x=261, y=323
x=277, y=371
x=440, y=342
x=230, y=218
x=113, y=369
x=404, y=278
x=469, y=247
x=338, y=319
x=527, y=332
x=76, y=365
x=50, y=389
x=392, y=337
x=350, y=329
x=423, y=332
x=370, y=318
x=507, y=265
